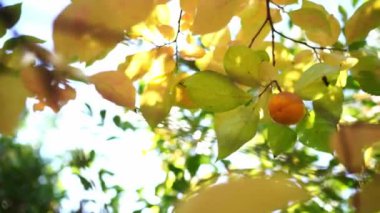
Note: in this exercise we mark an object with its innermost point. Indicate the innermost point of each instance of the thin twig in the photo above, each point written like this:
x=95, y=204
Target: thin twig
x=176, y=39
x=269, y=85
x=269, y=18
x=258, y=33
x=308, y=45
x=279, y=6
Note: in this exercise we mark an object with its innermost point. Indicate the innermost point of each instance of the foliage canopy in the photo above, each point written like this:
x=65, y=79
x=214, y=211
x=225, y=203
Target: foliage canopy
x=217, y=78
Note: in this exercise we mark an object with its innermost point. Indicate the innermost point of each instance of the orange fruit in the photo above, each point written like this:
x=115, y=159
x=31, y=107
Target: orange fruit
x=286, y=108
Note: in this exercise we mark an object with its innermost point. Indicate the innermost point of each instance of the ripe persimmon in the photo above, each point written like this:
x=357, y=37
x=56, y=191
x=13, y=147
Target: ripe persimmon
x=286, y=108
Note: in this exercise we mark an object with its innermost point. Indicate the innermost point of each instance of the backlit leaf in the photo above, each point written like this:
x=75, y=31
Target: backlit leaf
x=115, y=86
x=48, y=88
x=330, y=105
x=310, y=85
x=214, y=92
x=280, y=138
x=12, y=101
x=365, y=19
x=158, y=96
x=86, y=31
x=315, y=131
x=234, y=128
x=367, y=73
x=284, y=2
x=213, y=15
x=156, y=99
x=189, y=5
x=137, y=65
x=325, y=29
x=242, y=64
x=261, y=194
x=351, y=140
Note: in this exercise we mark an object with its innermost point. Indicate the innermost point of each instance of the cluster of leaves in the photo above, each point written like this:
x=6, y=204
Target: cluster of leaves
x=27, y=183
x=197, y=63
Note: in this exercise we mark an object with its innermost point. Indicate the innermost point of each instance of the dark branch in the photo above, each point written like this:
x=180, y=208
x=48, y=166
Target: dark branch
x=258, y=33
x=176, y=39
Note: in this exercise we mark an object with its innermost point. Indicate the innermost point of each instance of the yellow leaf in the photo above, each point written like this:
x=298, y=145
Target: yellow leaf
x=157, y=97
x=137, y=65
x=12, y=101
x=252, y=19
x=339, y=59
x=157, y=100
x=365, y=19
x=284, y=2
x=167, y=31
x=182, y=98
x=320, y=27
x=115, y=86
x=350, y=142
x=234, y=128
x=220, y=37
x=213, y=59
x=213, y=15
x=243, y=195
x=150, y=28
x=189, y=6
x=214, y=92
x=86, y=31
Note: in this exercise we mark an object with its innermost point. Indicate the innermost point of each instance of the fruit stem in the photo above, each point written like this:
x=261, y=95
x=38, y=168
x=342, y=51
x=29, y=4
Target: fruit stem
x=269, y=85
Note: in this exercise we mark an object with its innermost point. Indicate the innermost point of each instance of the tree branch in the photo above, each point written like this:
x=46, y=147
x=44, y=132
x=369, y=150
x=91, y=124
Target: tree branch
x=176, y=38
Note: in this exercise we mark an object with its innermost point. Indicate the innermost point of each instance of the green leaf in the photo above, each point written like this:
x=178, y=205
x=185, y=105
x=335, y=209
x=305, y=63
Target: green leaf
x=87, y=184
x=9, y=15
x=330, y=105
x=367, y=73
x=310, y=86
x=20, y=41
x=214, y=92
x=234, y=128
x=242, y=64
x=342, y=12
x=281, y=138
x=365, y=19
x=315, y=132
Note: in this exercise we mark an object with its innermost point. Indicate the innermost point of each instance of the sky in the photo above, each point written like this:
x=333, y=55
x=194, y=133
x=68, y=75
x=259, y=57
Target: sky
x=73, y=128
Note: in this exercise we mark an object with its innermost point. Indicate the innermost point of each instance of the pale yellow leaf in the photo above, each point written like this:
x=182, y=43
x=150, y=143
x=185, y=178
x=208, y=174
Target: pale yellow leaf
x=246, y=195
x=115, y=86
x=137, y=65
x=213, y=15
x=86, y=31
x=284, y=2
x=156, y=99
x=189, y=6
x=320, y=26
x=365, y=19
